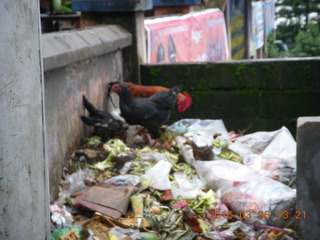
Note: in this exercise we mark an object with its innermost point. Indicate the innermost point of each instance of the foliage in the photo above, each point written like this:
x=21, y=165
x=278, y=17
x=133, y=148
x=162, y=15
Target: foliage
x=287, y=33
x=295, y=16
x=307, y=42
x=273, y=50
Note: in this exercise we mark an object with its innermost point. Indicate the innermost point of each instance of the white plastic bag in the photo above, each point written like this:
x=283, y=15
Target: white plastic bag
x=272, y=167
x=223, y=174
x=278, y=144
x=253, y=197
x=186, y=150
x=124, y=180
x=160, y=175
x=76, y=183
x=260, y=200
x=200, y=131
x=184, y=187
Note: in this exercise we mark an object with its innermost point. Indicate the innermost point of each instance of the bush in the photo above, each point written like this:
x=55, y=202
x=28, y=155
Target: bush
x=273, y=50
x=307, y=42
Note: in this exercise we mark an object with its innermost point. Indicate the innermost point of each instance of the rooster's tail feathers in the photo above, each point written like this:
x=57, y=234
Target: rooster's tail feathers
x=88, y=121
x=91, y=109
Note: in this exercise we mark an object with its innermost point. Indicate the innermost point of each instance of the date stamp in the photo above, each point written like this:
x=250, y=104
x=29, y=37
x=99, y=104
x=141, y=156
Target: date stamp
x=260, y=214
x=292, y=214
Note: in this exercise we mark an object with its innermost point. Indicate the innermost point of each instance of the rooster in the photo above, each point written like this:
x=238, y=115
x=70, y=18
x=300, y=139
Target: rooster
x=151, y=112
x=184, y=100
x=105, y=125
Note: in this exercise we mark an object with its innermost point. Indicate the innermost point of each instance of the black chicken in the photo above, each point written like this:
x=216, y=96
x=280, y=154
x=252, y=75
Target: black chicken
x=105, y=125
x=151, y=112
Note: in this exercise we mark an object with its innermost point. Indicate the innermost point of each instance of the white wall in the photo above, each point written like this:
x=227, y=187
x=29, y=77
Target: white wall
x=77, y=62
x=24, y=198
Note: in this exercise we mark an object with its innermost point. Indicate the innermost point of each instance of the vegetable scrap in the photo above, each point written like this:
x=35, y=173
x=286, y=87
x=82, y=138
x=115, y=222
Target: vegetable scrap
x=209, y=184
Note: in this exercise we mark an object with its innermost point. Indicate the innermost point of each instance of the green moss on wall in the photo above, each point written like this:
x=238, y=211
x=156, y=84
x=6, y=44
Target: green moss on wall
x=269, y=94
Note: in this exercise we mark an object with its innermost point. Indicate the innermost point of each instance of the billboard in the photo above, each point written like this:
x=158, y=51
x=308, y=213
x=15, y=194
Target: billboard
x=237, y=9
x=258, y=23
x=269, y=16
x=194, y=37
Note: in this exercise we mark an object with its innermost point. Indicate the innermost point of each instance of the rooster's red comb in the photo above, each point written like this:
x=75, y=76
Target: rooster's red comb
x=184, y=102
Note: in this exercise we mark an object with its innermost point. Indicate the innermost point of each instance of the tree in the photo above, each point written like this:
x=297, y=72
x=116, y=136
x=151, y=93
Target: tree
x=307, y=42
x=294, y=16
x=273, y=50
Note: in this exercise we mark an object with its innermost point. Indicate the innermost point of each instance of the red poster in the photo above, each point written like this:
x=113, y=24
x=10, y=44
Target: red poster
x=198, y=36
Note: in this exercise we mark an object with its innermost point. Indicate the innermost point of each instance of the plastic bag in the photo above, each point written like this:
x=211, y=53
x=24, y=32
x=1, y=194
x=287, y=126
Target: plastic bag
x=219, y=215
x=184, y=187
x=186, y=150
x=160, y=175
x=272, y=167
x=253, y=197
x=124, y=180
x=259, y=200
x=60, y=217
x=149, y=155
x=118, y=233
x=76, y=182
x=200, y=131
x=278, y=144
x=223, y=174
x=272, y=154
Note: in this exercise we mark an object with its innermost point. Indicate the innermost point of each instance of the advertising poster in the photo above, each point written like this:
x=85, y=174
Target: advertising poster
x=258, y=23
x=198, y=36
x=269, y=16
x=253, y=31
x=237, y=10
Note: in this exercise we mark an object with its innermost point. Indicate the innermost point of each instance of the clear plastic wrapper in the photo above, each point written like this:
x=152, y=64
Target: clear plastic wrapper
x=124, y=180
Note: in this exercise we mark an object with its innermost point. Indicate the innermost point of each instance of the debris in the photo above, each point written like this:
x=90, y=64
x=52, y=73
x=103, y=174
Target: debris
x=68, y=233
x=160, y=175
x=206, y=183
x=186, y=186
x=191, y=218
x=124, y=180
x=107, y=199
x=118, y=233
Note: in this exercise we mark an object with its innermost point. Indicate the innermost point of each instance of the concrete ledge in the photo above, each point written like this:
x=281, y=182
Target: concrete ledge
x=111, y=5
x=64, y=48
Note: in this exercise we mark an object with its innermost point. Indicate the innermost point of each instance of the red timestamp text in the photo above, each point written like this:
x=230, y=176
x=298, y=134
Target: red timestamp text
x=241, y=214
x=292, y=214
x=220, y=214
x=251, y=214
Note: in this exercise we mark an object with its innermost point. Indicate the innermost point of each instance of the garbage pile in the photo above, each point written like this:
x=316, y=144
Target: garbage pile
x=199, y=182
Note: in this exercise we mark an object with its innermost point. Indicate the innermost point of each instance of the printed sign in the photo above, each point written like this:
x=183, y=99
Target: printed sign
x=258, y=22
x=269, y=16
x=198, y=36
x=237, y=10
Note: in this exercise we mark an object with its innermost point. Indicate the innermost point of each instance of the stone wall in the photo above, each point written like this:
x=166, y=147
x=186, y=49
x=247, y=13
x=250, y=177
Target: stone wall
x=77, y=63
x=24, y=193
x=261, y=95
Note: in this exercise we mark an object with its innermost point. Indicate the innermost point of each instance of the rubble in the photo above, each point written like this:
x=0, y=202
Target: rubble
x=209, y=184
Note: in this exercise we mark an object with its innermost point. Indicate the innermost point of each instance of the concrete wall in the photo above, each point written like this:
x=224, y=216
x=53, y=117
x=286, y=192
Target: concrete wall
x=24, y=197
x=262, y=94
x=133, y=22
x=308, y=184
x=77, y=63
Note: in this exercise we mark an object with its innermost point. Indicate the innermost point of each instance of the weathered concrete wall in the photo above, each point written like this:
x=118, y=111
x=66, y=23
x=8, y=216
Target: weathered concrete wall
x=77, y=63
x=24, y=196
x=308, y=184
x=133, y=22
x=263, y=94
